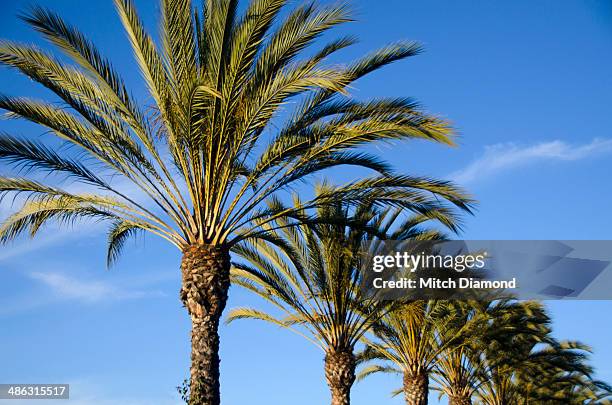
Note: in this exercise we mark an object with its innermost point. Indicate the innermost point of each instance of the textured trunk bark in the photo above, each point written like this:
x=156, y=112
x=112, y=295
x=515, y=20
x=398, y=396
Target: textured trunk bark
x=416, y=388
x=205, y=271
x=340, y=375
x=460, y=400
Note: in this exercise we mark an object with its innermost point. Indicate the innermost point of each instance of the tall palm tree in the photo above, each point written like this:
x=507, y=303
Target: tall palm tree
x=213, y=146
x=313, y=275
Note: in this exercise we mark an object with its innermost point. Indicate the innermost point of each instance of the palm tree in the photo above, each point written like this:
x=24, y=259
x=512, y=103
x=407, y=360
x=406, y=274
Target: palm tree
x=456, y=375
x=313, y=274
x=507, y=356
x=559, y=384
x=555, y=373
x=524, y=364
x=575, y=388
x=214, y=146
x=457, y=369
x=461, y=367
x=408, y=341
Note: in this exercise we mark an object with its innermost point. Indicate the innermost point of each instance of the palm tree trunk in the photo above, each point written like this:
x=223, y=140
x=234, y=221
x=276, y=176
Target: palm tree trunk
x=459, y=400
x=416, y=388
x=205, y=271
x=460, y=393
x=340, y=375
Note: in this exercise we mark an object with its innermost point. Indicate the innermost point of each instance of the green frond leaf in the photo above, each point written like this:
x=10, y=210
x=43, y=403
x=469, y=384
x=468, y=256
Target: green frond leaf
x=375, y=369
x=65, y=209
x=118, y=235
x=28, y=155
x=249, y=313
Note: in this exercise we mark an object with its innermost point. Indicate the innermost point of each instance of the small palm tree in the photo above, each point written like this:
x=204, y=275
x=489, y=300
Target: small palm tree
x=548, y=375
x=575, y=389
x=457, y=376
x=507, y=356
x=459, y=369
x=313, y=274
x=558, y=384
x=213, y=147
x=525, y=364
x=408, y=341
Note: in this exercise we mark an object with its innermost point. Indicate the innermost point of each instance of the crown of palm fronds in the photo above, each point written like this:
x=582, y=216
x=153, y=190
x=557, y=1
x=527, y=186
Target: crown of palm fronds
x=215, y=145
x=520, y=362
x=556, y=372
x=462, y=367
x=410, y=338
x=313, y=272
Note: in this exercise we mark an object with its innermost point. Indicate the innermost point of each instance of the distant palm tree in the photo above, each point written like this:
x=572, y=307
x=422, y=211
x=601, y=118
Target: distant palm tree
x=461, y=368
x=457, y=375
x=561, y=383
x=313, y=275
x=574, y=389
x=488, y=351
x=457, y=369
x=546, y=375
x=214, y=145
x=521, y=363
x=408, y=342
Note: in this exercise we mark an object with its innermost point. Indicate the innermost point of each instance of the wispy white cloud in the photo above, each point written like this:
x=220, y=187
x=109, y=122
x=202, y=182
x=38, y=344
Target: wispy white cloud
x=88, y=291
x=25, y=245
x=500, y=157
x=39, y=289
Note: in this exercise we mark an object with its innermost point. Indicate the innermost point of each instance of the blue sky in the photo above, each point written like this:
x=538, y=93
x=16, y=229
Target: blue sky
x=528, y=86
